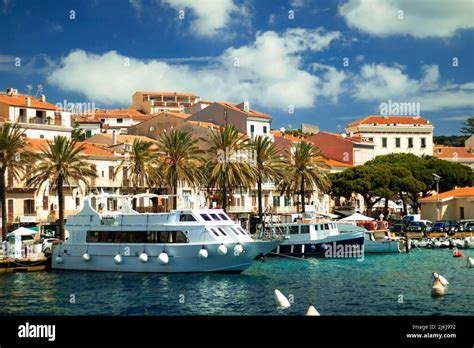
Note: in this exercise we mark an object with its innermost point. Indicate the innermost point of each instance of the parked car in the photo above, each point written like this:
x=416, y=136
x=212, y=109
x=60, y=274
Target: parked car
x=466, y=226
x=420, y=226
x=397, y=227
x=48, y=244
x=448, y=226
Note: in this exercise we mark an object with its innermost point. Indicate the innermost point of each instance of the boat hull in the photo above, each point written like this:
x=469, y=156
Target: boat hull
x=182, y=258
x=338, y=246
x=389, y=246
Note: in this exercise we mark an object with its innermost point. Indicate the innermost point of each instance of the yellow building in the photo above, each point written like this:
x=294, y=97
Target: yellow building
x=456, y=204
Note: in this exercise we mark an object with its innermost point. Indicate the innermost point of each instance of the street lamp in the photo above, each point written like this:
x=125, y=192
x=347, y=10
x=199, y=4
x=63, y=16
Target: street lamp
x=437, y=179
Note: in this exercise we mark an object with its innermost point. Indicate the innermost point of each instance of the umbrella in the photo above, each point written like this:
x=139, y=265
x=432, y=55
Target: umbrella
x=357, y=217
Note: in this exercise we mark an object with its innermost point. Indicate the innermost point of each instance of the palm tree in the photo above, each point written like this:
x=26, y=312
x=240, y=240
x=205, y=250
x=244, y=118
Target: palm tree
x=140, y=166
x=12, y=157
x=229, y=164
x=60, y=163
x=305, y=171
x=269, y=165
x=182, y=160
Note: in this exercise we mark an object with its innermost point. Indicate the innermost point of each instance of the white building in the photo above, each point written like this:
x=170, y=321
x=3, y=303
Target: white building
x=39, y=119
x=395, y=134
x=152, y=102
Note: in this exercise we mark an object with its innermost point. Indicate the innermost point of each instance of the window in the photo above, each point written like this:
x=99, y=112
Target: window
x=384, y=142
x=236, y=232
x=294, y=229
x=137, y=237
x=41, y=136
x=242, y=231
x=222, y=231
x=397, y=142
x=119, y=120
x=276, y=201
x=206, y=217
x=305, y=229
x=326, y=226
x=214, y=217
x=186, y=217
x=215, y=232
x=264, y=129
x=410, y=142
x=29, y=207
x=103, y=174
x=287, y=201
x=111, y=172
x=224, y=217
x=461, y=213
x=371, y=139
x=423, y=143
x=252, y=128
x=45, y=203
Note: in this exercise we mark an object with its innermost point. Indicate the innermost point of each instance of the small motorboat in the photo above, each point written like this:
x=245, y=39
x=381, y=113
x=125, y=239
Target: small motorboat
x=470, y=262
x=457, y=253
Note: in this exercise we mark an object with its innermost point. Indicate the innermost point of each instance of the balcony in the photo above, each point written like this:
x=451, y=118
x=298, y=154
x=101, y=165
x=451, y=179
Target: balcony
x=238, y=209
x=284, y=210
x=42, y=120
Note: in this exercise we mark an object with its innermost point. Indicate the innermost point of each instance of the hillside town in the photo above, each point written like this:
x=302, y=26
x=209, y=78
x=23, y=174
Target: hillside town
x=107, y=137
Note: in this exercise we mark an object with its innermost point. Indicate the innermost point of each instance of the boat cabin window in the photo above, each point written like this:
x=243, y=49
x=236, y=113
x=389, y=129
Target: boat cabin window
x=137, y=237
x=215, y=217
x=222, y=231
x=294, y=229
x=206, y=217
x=234, y=230
x=215, y=232
x=186, y=217
x=305, y=229
x=224, y=217
x=242, y=231
x=326, y=226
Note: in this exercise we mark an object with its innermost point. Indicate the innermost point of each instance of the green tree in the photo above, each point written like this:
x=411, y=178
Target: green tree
x=229, y=162
x=60, y=163
x=269, y=165
x=12, y=158
x=468, y=127
x=305, y=171
x=182, y=160
x=77, y=133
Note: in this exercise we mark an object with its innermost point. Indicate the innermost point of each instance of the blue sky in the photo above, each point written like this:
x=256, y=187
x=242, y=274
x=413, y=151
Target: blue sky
x=256, y=50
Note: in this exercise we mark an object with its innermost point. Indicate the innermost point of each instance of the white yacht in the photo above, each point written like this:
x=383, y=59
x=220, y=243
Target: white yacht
x=181, y=241
x=321, y=239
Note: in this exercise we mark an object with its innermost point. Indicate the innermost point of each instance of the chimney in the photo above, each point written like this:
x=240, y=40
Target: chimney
x=28, y=101
x=246, y=106
x=42, y=98
x=114, y=138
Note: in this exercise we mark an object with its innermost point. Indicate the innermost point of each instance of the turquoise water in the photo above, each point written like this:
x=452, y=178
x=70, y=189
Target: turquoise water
x=374, y=286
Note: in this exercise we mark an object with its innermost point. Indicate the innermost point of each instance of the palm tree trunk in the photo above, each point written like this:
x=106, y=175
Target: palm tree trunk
x=3, y=200
x=224, y=198
x=386, y=208
x=302, y=194
x=61, y=207
x=260, y=198
x=175, y=192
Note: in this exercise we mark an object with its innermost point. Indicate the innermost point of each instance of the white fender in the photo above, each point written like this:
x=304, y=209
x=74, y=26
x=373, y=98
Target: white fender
x=86, y=257
x=280, y=299
x=442, y=279
x=222, y=249
x=59, y=259
x=143, y=257
x=118, y=259
x=470, y=262
x=312, y=312
x=163, y=259
x=438, y=289
x=203, y=254
x=238, y=249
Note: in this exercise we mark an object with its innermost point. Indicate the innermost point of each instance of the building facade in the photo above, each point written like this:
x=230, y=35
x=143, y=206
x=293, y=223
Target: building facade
x=153, y=102
x=457, y=204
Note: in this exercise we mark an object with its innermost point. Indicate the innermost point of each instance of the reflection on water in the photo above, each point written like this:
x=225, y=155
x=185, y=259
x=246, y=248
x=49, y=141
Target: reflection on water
x=335, y=287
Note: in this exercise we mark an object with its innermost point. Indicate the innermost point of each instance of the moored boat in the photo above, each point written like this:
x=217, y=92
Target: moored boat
x=375, y=241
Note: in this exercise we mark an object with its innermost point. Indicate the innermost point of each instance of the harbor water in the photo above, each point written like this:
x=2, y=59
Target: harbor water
x=386, y=284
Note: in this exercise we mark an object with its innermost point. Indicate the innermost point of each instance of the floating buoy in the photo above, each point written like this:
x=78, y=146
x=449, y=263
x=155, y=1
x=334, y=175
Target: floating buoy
x=163, y=258
x=457, y=253
x=238, y=249
x=59, y=259
x=312, y=312
x=203, y=254
x=118, y=259
x=442, y=279
x=86, y=257
x=143, y=257
x=470, y=262
x=280, y=299
x=222, y=249
x=438, y=289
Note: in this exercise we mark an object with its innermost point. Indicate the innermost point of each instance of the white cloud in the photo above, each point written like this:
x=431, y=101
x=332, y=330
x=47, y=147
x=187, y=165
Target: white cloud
x=379, y=83
x=297, y=3
x=137, y=6
x=269, y=73
x=421, y=18
x=211, y=17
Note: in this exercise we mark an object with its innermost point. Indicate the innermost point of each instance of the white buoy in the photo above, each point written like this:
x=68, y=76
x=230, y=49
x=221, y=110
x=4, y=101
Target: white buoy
x=203, y=254
x=222, y=249
x=238, y=249
x=163, y=259
x=280, y=299
x=470, y=262
x=59, y=259
x=312, y=312
x=86, y=257
x=118, y=259
x=438, y=289
x=143, y=257
x=442, y=279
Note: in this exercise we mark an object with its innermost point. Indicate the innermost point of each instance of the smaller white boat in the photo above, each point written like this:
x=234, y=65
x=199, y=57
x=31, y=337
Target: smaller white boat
x=470, y=262
x=375, y=241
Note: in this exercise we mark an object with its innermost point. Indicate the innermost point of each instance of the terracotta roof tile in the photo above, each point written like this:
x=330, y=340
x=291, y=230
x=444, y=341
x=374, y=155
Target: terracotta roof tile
x=450, y=152
x=184, y=94
x=286, y=136
x=459, y=192
x=250, y=113
x=21, y=100
x=406, y=120
x=334, y=163
x=36, y=145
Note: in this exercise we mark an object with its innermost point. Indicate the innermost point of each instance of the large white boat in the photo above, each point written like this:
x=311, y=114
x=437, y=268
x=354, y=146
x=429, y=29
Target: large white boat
x=181, y=241
x=322, y=239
